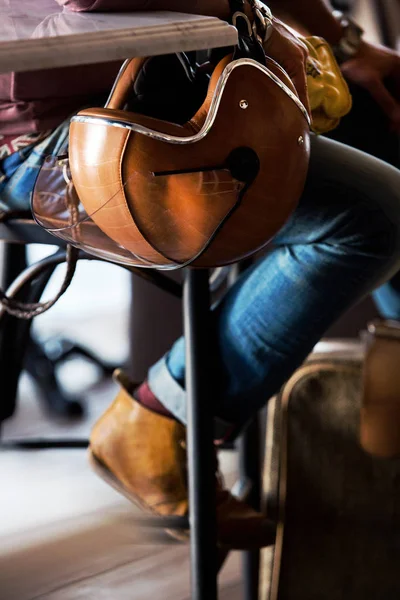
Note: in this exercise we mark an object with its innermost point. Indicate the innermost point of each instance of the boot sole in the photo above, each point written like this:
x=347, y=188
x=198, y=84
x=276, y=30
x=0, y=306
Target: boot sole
x=104, y=473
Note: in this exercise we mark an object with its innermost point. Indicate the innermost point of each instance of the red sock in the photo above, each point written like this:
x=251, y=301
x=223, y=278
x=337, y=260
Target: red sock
x=145, y=396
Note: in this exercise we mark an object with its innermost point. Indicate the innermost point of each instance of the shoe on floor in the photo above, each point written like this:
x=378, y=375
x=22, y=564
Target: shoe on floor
x=143, y=456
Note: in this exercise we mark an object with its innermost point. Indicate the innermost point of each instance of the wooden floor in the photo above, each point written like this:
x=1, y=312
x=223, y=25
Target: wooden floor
x=65, y=535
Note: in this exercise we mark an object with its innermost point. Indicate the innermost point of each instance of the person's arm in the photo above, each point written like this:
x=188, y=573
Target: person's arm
x=371, y=68
x=310, y=16
x=212, y=8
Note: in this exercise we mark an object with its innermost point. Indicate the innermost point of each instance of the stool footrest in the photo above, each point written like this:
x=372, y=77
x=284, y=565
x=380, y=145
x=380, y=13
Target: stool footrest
x=43, y=444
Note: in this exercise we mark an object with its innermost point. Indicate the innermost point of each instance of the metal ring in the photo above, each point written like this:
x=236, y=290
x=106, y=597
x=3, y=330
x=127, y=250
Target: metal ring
x=65, y=174
x=265, y=22
x=245, y=18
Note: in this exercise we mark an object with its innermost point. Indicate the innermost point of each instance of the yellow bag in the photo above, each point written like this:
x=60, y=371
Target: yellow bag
x=329, y=95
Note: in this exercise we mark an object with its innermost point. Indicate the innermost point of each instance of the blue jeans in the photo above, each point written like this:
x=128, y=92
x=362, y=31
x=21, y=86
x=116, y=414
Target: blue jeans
x=342, y=241
x=387, y=298
x=18, y=172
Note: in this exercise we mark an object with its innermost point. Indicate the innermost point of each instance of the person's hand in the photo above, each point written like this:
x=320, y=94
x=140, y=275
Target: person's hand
x=372, y=68
x=291, y=53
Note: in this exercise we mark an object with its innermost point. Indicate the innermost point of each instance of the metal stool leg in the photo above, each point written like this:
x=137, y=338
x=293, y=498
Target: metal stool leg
x=14, y=337
x=201, y=457
x=250, y=469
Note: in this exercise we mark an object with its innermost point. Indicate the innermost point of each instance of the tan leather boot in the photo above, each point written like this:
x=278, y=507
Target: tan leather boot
x=143, y=456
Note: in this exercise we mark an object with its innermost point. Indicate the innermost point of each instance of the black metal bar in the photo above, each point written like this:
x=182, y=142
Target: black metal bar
x=14, y=338
x=241, y=490
x=201, y=455
x=158, y=279
x=250, y=469
x=26, y=231
x=163, y=522
x=43, y=444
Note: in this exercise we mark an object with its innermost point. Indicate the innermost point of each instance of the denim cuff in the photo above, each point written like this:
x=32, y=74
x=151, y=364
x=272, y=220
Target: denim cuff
x=167, y=390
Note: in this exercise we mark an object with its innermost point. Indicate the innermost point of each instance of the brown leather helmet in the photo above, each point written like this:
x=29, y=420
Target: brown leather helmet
x=208, y=192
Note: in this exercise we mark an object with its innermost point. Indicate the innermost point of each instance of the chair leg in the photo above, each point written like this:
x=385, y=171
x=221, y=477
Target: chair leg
x=14, y=336
x=12, y=264
x=250, y=469
x=42, y=369
x=201, y=457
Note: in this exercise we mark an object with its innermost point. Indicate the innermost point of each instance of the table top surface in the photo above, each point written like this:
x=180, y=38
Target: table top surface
x=40, y=34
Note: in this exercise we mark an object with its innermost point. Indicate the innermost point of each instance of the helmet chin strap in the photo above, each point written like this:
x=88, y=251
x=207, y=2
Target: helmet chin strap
x=250, y=40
